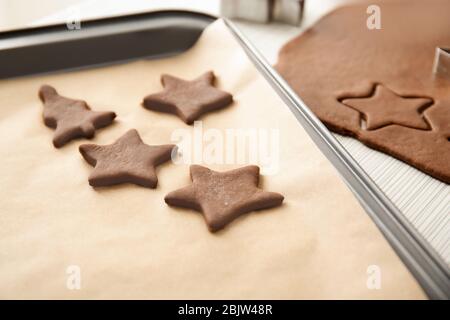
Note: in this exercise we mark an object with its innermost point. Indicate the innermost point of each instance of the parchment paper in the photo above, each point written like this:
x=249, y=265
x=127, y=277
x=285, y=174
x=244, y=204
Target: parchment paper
x=129, y=244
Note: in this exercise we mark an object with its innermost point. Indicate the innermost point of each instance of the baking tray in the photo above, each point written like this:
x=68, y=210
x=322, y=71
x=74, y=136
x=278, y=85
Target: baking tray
x=156, y=34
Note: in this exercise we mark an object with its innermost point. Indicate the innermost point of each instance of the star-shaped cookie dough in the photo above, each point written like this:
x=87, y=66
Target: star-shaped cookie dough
x=70, y=118
x=385, y=107
x=223, y=196
x=188, y=99
x=128, y=160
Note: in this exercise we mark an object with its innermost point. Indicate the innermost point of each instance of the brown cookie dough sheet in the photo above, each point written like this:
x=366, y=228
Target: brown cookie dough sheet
x=339, y=59
x=130, y=244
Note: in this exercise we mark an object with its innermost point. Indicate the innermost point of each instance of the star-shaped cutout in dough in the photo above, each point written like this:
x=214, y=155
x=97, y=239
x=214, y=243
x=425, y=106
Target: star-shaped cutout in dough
x=128, y=160
x=188, y=99
x=70, y=118
x=385, y=107
x=223, y=196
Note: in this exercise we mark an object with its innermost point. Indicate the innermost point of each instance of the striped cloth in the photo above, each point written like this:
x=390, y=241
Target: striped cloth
x=423, y=200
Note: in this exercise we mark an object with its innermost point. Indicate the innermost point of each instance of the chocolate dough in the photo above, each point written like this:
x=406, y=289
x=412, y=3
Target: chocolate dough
x=339, y=60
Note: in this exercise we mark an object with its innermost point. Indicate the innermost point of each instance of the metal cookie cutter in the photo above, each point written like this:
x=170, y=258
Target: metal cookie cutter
x=441, y=64
x=264, y=11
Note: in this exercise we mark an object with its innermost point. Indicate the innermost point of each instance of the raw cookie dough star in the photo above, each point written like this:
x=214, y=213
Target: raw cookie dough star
x=385, y=107
x=128, y=160
x=223, y=196
x=188, y=99
x=71, y=118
